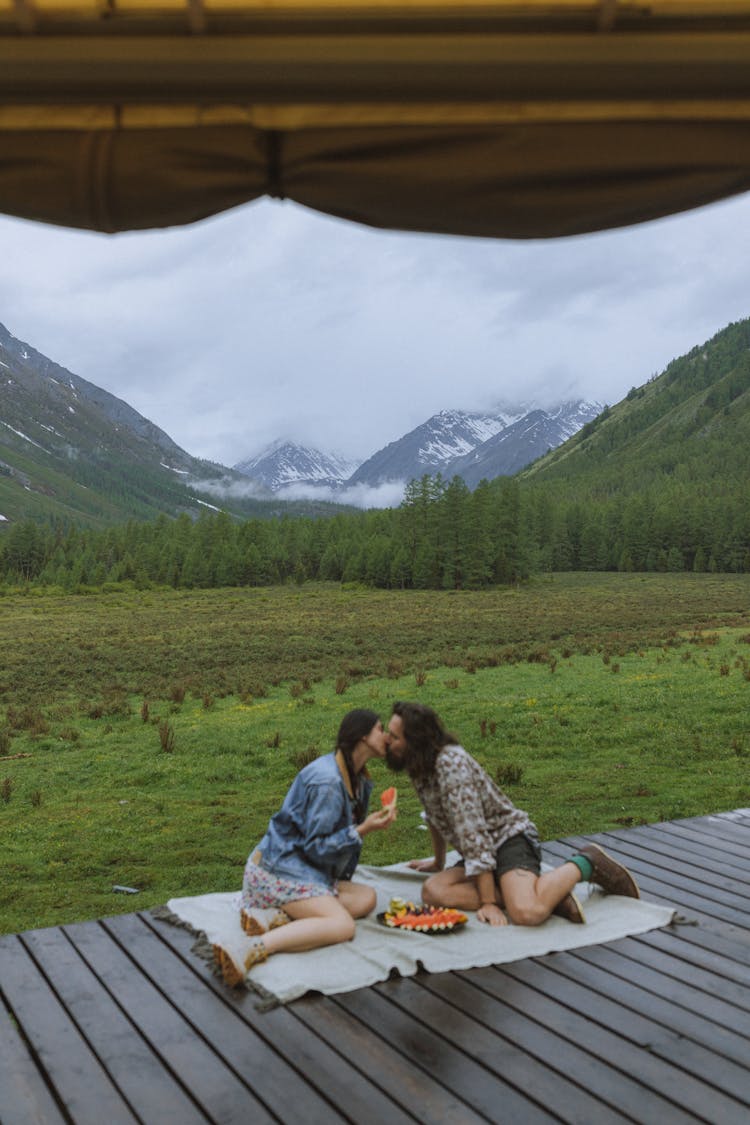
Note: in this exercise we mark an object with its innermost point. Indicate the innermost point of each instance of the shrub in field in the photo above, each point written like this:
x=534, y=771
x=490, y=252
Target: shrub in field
x=36, y=798
x=301, y=758
x=208, y=702
x=420, y=677
x=69, y=734
x=29, y=719
x=166, y=736
x=6, y=788
x=341, y=684
x=177, y=693
x=144, y=711
x=5, y=737
x=274, y=742
x=114, y=703
x=508, y=773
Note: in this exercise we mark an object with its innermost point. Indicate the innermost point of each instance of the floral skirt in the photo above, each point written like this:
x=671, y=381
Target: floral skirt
x=262, y=889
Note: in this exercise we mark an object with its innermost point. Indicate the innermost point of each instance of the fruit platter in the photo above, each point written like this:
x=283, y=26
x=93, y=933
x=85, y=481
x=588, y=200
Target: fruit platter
x=402, y=915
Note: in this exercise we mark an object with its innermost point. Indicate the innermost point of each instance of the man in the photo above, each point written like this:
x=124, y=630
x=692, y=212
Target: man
x=499, y=845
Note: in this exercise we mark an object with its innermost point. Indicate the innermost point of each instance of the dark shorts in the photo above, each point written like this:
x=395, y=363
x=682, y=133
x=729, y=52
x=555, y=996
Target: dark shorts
x=520, y=853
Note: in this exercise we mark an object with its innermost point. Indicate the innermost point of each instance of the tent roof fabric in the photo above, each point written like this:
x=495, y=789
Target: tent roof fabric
x=523, y=120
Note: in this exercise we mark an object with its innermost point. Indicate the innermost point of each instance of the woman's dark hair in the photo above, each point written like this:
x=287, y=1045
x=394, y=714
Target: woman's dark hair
x=426, y=736
x=355, y=725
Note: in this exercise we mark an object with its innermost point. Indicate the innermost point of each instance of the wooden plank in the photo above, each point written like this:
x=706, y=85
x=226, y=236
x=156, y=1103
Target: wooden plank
x=723, y=829
x=319, y=1074
x=490, y=1038
x=675, y=1034
x=436, y=1055
x=716, y=1024
x=562, y=1071
x=708, y=978
x=714, y=888
x=695, y=905
x=25, y=1098
x=666, y=1062
x=420, y=1096
x=135, y=1069
x=725, y=956
x=80, y=1083
x=215, y=1087
x=616, y=1066
x=686, y=847
x=699, y=864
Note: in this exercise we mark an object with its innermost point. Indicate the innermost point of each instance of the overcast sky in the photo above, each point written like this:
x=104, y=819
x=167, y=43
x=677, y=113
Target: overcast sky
x=271, y=321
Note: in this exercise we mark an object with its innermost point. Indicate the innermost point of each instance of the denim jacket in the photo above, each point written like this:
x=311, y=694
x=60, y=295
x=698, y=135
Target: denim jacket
x=313, y=837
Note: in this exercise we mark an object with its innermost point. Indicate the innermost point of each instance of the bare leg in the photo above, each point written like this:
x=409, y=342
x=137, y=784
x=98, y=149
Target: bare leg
x=315, y=922
x=357, y=898
x=530, y=899
x=452, y=887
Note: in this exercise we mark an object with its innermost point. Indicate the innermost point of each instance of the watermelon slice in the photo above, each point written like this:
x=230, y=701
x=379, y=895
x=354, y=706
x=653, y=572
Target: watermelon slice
x=388, y=797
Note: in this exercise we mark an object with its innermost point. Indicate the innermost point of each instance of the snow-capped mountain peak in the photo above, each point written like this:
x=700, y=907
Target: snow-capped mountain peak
x=285, y=462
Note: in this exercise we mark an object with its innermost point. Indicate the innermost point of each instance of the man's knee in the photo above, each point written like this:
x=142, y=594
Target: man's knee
x=433, y=892
x=528, y=914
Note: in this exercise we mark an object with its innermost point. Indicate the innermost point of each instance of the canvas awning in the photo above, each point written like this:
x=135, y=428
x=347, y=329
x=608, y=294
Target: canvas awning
x=527, y=119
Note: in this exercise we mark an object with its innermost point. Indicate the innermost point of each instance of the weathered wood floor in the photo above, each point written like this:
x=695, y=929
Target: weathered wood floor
x=115, y=1021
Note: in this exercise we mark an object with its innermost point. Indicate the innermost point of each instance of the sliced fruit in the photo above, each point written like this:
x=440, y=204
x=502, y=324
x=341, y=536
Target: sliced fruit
x=388, y=797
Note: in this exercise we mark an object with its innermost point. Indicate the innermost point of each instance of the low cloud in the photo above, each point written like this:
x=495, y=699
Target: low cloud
x=226, y=488
x=388, y=495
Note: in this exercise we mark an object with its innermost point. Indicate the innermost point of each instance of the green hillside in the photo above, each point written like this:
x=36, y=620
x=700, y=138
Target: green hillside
x=71, y=453
x=690, y=425
x=661, y=481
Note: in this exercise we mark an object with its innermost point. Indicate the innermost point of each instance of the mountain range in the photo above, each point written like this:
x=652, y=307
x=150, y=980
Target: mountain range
x=469, y=444
x=71, y=451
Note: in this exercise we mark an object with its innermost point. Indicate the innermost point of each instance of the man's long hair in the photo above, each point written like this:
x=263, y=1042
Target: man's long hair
x=425, y=735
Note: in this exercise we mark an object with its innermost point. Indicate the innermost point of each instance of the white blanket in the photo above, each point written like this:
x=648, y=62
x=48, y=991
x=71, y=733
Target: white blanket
x=376, y=950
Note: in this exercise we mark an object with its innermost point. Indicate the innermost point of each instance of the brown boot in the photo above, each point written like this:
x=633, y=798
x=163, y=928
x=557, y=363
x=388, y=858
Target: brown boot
x=257, y=921
x=235, y=966
x=570, y=909
x=231, y=972
x=610, y=875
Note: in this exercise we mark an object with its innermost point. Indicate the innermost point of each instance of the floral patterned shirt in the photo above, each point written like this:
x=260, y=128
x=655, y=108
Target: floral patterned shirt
x=469, y=811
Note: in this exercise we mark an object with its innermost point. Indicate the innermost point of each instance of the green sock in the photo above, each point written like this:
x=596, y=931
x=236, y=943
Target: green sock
x=584, y=865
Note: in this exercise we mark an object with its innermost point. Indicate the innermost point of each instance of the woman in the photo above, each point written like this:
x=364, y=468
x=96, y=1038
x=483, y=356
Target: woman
x=297, y=893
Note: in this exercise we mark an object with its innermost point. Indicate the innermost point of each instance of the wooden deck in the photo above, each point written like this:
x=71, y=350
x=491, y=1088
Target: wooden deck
x=115, y=1021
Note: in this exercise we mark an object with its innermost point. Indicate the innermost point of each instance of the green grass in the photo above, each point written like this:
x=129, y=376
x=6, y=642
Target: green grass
x=598, y=701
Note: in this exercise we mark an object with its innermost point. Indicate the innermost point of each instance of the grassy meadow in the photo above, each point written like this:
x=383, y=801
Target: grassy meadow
x=147, y=736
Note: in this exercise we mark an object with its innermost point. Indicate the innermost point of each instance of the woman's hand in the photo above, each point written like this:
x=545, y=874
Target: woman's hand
x=491, y=913
x=377, y=821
